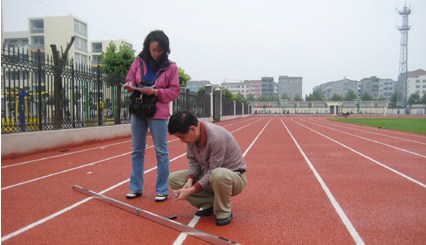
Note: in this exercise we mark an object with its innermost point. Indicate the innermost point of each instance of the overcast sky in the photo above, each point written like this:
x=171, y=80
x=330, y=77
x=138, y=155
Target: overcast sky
x=215, y=40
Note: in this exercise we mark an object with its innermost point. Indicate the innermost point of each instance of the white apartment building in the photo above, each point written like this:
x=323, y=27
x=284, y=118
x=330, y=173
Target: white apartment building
x=416, y=82
x=16, y=39
x=45, y=31
x=245, y=88
x=100, y=46
x=340, y=87
x=378, y=88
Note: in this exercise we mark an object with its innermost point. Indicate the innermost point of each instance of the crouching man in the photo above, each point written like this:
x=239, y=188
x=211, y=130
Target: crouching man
x=216, y=171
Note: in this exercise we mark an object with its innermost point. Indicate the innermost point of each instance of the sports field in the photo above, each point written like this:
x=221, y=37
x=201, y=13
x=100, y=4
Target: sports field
x=310, y=180
x=415, y=125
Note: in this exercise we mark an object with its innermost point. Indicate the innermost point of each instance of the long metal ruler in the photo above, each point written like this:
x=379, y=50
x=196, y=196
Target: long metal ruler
x=210, y=238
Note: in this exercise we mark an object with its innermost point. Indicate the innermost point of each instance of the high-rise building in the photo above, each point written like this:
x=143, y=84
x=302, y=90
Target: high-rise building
x=269, y=87
x=291, y=86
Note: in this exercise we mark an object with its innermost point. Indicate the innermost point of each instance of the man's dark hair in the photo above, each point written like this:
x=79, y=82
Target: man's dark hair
x=163, y=43
x=180, y=122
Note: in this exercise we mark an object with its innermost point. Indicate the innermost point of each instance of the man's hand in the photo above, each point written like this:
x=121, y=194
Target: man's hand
x=184, y=193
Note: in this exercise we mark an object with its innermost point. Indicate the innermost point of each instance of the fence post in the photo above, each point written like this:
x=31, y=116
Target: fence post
x=242, y=108
x=73, y=93
x=40, y=97
x=187, y=105
x=208, y=90
x=100, y=101
x=217, y=95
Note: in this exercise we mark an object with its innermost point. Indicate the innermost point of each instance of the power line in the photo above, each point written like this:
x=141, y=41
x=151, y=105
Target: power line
x=92, y=26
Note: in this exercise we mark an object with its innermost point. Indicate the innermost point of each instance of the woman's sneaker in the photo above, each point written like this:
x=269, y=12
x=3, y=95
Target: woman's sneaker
x=160, y=198
x=132, y=195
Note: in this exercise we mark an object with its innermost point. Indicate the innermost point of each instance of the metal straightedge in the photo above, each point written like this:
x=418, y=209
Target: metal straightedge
x=210, y=238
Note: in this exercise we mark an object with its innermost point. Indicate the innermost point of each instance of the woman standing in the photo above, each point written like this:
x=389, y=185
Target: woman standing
x=161, y=75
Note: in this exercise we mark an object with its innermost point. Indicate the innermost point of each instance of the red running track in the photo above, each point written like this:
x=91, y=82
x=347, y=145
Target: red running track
x=310, y=181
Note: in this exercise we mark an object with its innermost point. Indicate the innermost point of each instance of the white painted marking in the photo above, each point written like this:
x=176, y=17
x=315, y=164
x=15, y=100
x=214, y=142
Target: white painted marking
x=181, y=238
x=354, y=233
x=369, y=158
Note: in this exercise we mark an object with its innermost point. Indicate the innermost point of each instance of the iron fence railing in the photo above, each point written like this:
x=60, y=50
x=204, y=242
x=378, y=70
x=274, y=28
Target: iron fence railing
x=35, y=96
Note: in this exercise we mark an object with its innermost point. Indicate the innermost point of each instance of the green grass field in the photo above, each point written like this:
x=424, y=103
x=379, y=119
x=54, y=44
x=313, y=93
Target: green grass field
x=415, y=125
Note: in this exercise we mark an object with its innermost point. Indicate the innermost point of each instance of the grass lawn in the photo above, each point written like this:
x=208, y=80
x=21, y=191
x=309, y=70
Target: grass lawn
x=416, y=125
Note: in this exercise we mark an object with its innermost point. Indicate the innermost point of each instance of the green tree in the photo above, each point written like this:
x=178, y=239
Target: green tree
x=424, y=98
x=115, y=65
x=285, y=96
x=393, y=100
x=350, y=95
x=366, y=97
x=298, y=98
x=227, y=93
x=250, y=97
x=336, y=97
x=315, y=96
x=183, y=77
x=414, y=99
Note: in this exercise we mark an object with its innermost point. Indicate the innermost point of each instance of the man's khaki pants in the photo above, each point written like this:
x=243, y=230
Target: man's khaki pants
x=224, y=183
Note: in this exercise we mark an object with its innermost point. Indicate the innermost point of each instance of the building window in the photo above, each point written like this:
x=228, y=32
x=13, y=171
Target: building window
x=80, y=28
x=37, y=26
x=97, y=47
x=81, y=44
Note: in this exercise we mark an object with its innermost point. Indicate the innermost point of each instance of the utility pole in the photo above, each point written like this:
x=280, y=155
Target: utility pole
x=402, y=78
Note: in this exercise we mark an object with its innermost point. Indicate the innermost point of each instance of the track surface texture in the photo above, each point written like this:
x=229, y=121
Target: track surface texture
x=310, y=181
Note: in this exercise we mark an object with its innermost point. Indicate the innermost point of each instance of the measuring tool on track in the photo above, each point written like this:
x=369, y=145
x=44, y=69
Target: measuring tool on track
x=210, y=238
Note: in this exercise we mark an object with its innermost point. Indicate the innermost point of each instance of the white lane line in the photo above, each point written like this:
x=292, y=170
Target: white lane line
x=72, y=169
x=181, y=238
x=367, y=157
x=64, y=154
x=54, y=215
x=92, y=163
x=64, y=171
x=375, y=141
x=41, y=221
x=89, y=149
x=354, y=233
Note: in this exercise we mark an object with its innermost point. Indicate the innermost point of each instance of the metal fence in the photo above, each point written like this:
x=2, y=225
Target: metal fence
x=37, y=94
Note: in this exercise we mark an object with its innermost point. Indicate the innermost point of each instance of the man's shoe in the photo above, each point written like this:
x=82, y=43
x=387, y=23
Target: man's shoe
x=132, y=195
x=205, y=212
x=160, y=198
x=225, y=221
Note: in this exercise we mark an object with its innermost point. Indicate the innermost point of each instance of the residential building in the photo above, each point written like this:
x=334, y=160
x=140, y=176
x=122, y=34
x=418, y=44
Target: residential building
x=377, y=88
x=194, y=86
x=269, y=87
x=245, y=88
x=416, y=82
x=58, y=30
x=340, y=88
x=100, y=46
x=17, y=39
x=291, y=86
x=387, y=89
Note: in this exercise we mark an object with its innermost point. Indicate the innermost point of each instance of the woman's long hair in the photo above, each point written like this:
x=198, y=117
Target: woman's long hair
x=163, y=42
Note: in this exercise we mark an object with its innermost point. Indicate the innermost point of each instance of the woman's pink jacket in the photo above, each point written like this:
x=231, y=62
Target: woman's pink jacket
x=167, y=85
